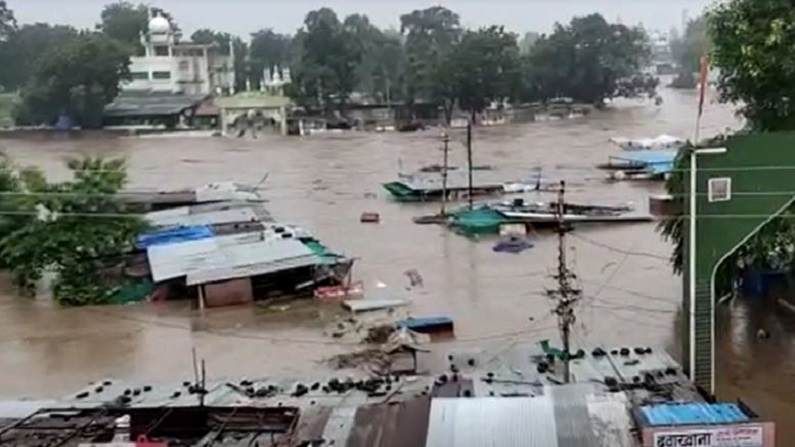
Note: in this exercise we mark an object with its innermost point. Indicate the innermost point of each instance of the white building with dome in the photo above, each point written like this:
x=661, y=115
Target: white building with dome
x=170, y=65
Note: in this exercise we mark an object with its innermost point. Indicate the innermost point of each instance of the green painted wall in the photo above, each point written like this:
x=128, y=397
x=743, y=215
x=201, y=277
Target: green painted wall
x=762, y=172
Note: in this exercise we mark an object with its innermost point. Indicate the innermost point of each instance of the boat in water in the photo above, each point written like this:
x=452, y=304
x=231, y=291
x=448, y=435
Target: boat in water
x=489, y=218
x=428, y=186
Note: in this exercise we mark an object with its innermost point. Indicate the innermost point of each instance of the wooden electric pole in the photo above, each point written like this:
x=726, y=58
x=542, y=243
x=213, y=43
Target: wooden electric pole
x=566, y=294
x=446, y=141
x=469, y=160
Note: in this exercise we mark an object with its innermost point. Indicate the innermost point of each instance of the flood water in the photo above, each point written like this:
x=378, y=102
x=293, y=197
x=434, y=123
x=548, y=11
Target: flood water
x=324, y=183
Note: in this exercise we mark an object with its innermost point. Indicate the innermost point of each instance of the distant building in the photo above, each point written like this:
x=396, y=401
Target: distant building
x=170, y=65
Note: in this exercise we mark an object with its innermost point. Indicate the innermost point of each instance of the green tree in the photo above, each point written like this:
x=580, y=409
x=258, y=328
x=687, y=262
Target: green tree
x=267, y=50
x=324, y=72
x=76, y=79
x=380, y=72
x=752, y=50
x=431, y=35
x=125, y=21
x=8, y=24
x=23, y=51
x=687, y=51
x=484, y=67
x=77, y=229
x=590, y=60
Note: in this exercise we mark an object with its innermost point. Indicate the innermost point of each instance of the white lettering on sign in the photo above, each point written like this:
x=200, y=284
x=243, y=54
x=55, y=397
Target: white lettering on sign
x=740, y=436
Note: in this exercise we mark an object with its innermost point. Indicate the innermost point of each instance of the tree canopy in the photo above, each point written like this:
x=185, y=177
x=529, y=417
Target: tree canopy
x=75, y=229
x=267, y=50
x=76, y=79
x=125, y=21
x=324, y=70
x=752, y=50
x=431, y=35
x=8, y=24
x=483, y=68
x=21, y=54
x=590, y=60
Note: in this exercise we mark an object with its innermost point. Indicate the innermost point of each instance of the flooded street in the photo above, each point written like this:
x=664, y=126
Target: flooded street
x=324, y=183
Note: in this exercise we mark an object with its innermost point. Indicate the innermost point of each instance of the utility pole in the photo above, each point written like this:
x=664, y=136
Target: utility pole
x=469, y=160
x=446, y=141
x=566, y=294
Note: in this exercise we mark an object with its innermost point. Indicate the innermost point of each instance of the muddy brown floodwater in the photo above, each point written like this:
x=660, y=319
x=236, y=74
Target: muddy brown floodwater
x=324, y=183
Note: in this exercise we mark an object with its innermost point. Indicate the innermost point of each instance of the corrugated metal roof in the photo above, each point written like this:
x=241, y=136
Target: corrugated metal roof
x=395, y=424
x=455, y=180
x=492, y=421
x=182, y=217
x=129, y=105
x=577, y=415
x=219, y=258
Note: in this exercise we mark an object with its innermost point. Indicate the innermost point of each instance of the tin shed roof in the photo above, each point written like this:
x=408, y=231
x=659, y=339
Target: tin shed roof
x=218, y=258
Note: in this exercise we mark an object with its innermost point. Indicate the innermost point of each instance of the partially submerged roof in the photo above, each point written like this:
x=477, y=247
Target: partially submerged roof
x=227, y=257
x=658, y=162
x=432, y=181
x=183, y=217
x=153, y=104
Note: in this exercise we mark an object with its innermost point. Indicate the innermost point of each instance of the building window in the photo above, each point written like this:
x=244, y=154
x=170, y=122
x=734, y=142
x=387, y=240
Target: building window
x=140, y=76
x=161, y=50
x=720, y=189
x=161, y=75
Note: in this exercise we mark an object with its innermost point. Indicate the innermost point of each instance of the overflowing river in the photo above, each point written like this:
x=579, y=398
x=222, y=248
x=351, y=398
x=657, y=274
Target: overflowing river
x=324, y=183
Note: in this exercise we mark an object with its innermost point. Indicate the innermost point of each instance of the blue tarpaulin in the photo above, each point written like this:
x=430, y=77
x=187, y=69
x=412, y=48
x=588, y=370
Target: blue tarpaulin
x=657, y=162
x=693, y=413
x=173, y=236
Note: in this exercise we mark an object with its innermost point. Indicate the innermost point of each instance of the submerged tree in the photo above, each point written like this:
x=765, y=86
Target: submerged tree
x=75, y=229
x=431, y=35
x=324, y=70
x=268, y=50
x=752, y=50
x=76, y=79
x=482, y=68
x=590, y=60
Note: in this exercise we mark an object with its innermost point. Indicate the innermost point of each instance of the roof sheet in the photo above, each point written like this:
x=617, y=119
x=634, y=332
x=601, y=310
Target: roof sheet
x=693, y=413
x=182, y=217
x=492, y=421
x=173, y=235
x=149, y=105
x=219, y=258
x=432, y=181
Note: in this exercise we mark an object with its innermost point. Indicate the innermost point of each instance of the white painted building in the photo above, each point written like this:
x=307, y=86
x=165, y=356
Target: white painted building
x=173, y=66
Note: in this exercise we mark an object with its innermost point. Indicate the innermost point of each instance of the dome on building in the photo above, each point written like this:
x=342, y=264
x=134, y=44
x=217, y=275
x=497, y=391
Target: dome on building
x=159, y=25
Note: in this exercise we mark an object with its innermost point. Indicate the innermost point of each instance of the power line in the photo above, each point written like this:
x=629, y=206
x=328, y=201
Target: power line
x=618, y=250
x=299, y=341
